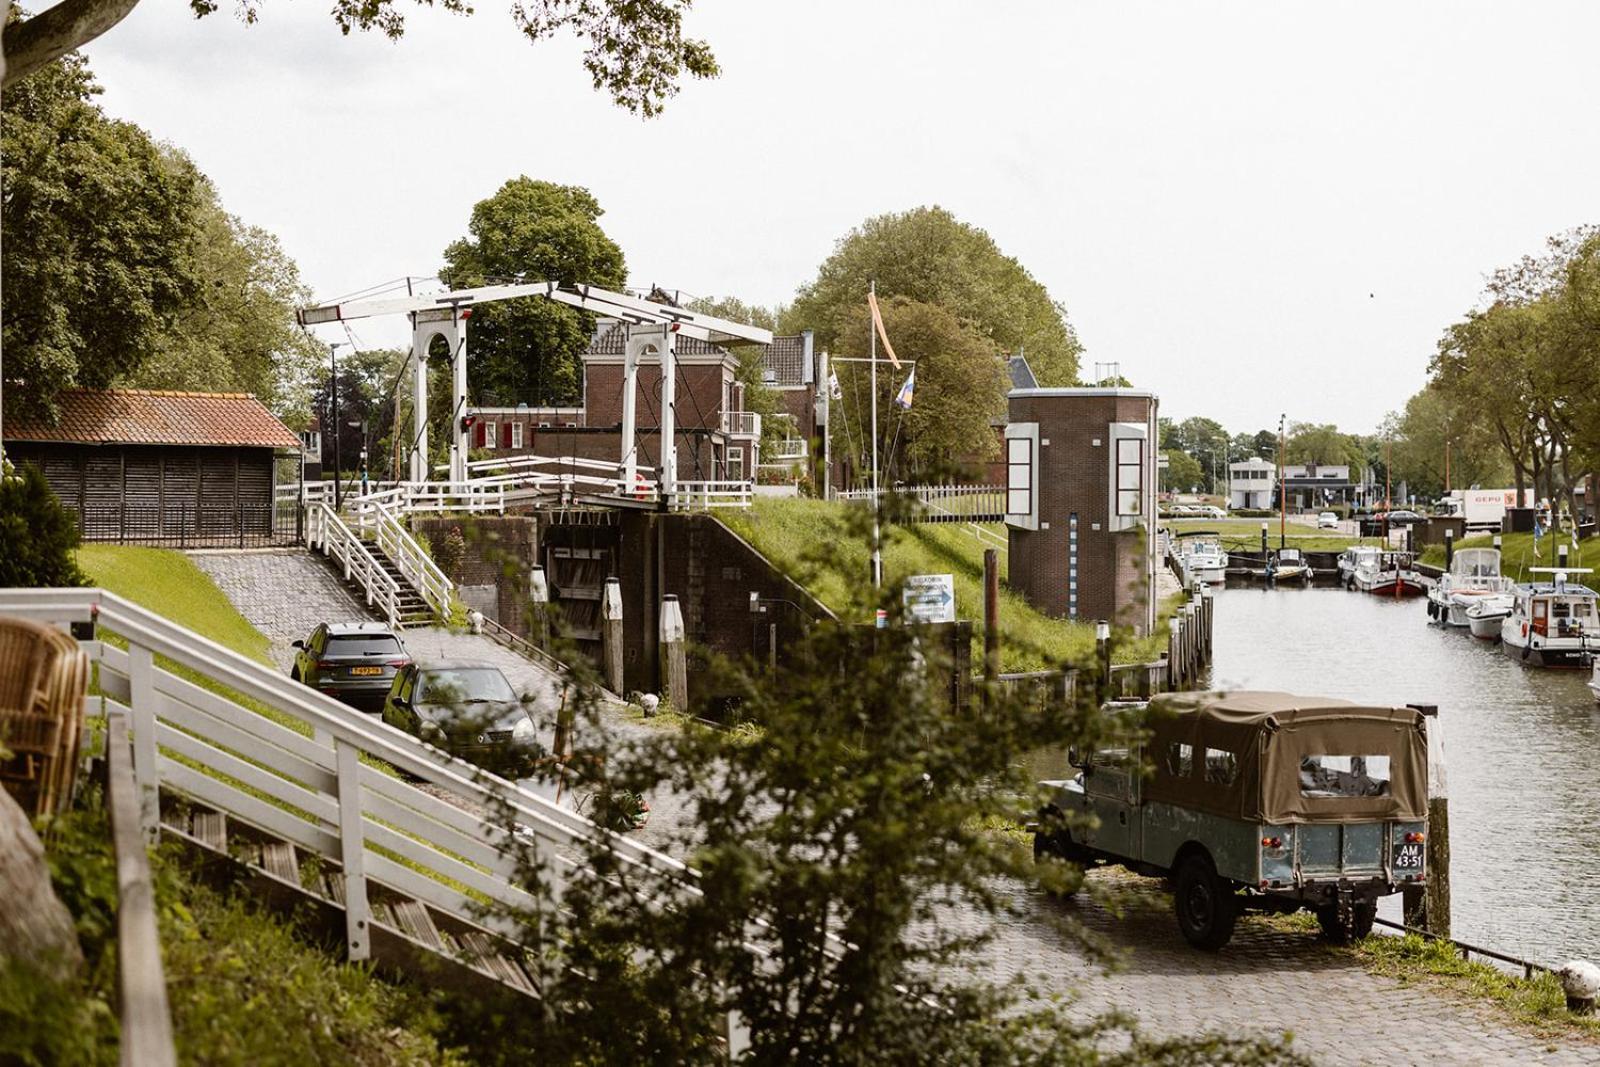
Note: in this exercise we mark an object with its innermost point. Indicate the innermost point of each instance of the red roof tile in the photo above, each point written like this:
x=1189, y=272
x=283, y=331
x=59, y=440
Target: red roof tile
x=156, y=417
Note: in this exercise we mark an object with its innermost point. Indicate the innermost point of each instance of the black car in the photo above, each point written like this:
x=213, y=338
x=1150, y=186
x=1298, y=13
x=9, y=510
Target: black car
x=1400, y=517
x=355, y=662
x=467, y=708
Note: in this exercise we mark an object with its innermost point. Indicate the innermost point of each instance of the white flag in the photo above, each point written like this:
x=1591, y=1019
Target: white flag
x=834, y=392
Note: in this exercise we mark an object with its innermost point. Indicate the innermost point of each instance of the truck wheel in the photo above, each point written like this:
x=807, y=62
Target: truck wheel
x=1362, y=913
x=1206, y=905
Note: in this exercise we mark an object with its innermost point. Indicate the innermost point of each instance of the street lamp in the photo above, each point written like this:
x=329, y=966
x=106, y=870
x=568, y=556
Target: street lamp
x=333, y=414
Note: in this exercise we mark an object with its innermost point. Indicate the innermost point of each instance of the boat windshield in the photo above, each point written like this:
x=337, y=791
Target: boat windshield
x=1476, y=563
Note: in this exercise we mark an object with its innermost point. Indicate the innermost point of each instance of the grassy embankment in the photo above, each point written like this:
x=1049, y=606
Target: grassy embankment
x=1244, y=535
x=810, y=541
x=1516, y=555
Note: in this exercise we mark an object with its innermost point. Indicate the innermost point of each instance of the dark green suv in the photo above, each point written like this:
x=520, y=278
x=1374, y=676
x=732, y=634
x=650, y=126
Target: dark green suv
x=351, y=661
x=468, y=708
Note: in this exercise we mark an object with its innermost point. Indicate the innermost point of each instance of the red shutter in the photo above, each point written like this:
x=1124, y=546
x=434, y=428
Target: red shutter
x=479, y=430
x=505, y=434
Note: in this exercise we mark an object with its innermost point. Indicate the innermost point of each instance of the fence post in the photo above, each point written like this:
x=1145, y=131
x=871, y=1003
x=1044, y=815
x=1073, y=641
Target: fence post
x=1174, y=674
x=611, y=634
x=539, y=596
x=991, y=618
x=352, y=849
x=674, y=657
x=142, y=708
x=1102, y=642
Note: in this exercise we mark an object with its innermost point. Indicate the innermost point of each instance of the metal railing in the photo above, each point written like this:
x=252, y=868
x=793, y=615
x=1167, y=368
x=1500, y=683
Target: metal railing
x=705, y=496
x=314, y=787
x=236, y=525
x=325, y=530
x=790, y=449
x=952, y=501
x=741, y=423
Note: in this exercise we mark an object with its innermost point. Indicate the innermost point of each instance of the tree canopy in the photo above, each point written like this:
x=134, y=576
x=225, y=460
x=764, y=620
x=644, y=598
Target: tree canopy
x=634, y=50
x=527, y=350
x=929, y=256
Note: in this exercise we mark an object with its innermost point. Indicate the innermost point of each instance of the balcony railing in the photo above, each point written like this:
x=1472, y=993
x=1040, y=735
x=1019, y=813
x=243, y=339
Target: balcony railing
x=790, y=448
x=741, y=423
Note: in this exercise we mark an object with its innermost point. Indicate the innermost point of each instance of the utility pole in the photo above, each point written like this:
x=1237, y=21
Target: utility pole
x=877, y=502
x=1283, y=491
x=333, y=413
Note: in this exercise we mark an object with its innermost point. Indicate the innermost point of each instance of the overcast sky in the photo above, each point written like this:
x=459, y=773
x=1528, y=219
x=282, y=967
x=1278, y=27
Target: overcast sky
x=1254, y=208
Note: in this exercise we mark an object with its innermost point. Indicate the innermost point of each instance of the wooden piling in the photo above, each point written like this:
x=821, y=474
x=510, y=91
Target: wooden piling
x=611, y=634
x=674, y=656
x=1428, y=906
x=1102, y=642
x=991, y=618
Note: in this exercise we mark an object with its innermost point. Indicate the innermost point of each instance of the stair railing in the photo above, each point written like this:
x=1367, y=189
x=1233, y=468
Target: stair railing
x=413, y=561
x=325, y=530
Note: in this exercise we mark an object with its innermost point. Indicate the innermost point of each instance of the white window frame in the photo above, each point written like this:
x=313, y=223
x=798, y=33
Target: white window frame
x=734, y=464
x=1121, y=517
x=1022, y=475
x=491, y=435
x=516, y=434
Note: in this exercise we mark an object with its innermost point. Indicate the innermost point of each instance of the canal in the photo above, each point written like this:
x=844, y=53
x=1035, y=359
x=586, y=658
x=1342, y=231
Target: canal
x=1521, y=748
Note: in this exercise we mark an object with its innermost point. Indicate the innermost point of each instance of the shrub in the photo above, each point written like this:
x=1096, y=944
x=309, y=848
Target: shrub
x=37, y=534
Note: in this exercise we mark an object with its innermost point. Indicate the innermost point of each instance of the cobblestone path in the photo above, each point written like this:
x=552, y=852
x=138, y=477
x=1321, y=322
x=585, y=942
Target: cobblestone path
x=1268, y=981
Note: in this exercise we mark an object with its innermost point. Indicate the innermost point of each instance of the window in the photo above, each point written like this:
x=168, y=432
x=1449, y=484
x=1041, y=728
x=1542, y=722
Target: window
x=1180, y=759
x=488, y=436
x=516, y=435
x=1344, y=776
x=1130, y=475
x=1222, y=766
x=735, y=464
x=1019, y=476
x=363, y=645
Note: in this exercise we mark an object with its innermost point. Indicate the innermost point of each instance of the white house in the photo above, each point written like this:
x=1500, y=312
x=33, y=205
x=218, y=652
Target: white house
x=1252, y=483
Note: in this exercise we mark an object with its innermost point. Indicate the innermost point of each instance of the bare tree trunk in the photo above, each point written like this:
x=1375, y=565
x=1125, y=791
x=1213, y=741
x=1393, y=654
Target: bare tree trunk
x=34, y=925
x=55, y=31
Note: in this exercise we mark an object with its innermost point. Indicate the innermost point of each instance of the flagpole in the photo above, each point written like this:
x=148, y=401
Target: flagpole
x=877, y=503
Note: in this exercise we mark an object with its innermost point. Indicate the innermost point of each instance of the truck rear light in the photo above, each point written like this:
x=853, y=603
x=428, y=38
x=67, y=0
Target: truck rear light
x=1413, y=838
x=1272, y=842
x=398, y=662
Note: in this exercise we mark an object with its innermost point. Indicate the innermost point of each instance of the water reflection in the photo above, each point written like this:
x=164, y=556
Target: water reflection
x=1520, y=749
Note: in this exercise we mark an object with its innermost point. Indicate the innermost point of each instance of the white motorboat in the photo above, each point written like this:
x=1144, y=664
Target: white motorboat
x=1204, y=557
x=1350, y=561
x=1474, y=574
x=1554, y=623
x=1288, y=565
x=1388, y=574
x=1485, y=615
x=1594, y=679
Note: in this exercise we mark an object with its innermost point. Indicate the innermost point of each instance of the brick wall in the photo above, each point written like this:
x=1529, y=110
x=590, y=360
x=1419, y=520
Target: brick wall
x=498, y=551
x=699, y=394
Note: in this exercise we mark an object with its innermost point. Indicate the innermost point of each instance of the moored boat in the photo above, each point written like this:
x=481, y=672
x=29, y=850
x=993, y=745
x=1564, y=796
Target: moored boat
x=1487, y=613
x=1288, y=565
x=1594, y=679
x=1473, y=575
x=1203, y=555
x=1554, y=623
x=1388, y=574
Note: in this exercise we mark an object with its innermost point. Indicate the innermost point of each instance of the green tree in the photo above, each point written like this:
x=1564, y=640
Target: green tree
x=237, y=333
x=634, y=51
x=527, y=350
x=960, y=390
x=1183, y=474
x=1322, y=445
x=37, y=535
x=1206, y=442
x=1430, y=428
x=929, y=256
x=100, y=230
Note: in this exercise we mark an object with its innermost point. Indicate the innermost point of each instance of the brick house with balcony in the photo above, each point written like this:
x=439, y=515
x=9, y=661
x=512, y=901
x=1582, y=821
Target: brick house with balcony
x=793, y=369
x=717, y=440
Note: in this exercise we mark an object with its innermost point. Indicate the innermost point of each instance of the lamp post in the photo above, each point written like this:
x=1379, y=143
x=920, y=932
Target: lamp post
x=361, y=424
x=333, y=414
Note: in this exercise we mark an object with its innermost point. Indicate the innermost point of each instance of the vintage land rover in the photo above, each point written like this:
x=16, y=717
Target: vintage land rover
x=1255, y=801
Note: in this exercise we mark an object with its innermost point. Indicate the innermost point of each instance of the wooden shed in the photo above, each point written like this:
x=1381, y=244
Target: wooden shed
x=162, y=467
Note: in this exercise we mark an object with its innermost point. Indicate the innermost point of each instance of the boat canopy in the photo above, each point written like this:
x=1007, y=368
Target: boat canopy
x=1476, y=563
x=1266, y=757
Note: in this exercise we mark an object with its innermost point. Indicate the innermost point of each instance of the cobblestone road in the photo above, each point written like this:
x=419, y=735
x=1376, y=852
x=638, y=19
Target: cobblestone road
x=1267, y=981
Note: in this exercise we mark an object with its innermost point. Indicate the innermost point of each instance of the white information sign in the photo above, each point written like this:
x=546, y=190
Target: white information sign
x=930, y=598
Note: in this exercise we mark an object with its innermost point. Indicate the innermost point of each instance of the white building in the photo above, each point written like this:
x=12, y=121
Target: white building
x=1252, y=483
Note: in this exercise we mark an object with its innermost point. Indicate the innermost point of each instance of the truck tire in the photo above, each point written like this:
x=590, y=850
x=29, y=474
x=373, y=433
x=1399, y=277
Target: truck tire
x=1206, y=904
x=1362, y=913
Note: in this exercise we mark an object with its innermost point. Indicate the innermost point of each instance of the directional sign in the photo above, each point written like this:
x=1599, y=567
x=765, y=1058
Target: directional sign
x=930, y=598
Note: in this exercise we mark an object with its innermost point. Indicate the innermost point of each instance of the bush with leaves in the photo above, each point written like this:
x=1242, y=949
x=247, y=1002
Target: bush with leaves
x=37, y=534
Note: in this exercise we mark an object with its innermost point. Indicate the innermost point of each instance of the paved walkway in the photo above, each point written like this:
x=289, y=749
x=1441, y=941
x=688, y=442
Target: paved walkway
x=1267, y=981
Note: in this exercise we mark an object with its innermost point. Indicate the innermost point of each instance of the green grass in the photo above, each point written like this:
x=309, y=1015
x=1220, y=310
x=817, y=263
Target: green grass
x=790, y=532
x=1538, y=1003
x=1516, y=555
x=169, y=584
x=1244, y=535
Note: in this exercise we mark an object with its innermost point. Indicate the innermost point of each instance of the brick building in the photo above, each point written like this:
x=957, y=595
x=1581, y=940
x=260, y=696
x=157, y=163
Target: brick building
x=793, y=368
x=1081, y=502
x=160, y=466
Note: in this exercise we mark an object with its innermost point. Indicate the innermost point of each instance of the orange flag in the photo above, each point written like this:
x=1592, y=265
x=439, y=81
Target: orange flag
x=877, y=321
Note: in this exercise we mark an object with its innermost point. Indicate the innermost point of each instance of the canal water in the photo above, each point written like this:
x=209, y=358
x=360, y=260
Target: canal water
x=1521, y=747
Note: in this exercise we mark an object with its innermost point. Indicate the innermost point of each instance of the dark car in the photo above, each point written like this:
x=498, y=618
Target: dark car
x=355, y=662
x=1400, y=517
x=467, y=708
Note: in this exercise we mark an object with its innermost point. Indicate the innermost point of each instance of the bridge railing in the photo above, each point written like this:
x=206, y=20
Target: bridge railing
x=953, y=501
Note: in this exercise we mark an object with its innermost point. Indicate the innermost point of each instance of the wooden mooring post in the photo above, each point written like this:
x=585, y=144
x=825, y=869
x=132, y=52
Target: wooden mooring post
x=1428, y=906
x=674, y=656
x=539, y=601
x=991, y=619
x=611, y=634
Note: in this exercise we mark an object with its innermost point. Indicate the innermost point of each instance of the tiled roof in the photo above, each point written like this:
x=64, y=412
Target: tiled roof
x=156, y=417
x=608, y=340
x=1021, y=374
x=785, y=359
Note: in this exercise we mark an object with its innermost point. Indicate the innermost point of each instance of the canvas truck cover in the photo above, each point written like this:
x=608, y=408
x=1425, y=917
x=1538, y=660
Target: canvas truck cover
x=1267, y=736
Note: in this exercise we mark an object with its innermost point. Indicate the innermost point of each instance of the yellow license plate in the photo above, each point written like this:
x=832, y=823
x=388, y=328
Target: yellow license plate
x=366, y=670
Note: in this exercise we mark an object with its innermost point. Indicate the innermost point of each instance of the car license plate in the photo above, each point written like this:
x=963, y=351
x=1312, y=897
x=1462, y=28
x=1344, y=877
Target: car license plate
x=366, y=670
x=1408, y=857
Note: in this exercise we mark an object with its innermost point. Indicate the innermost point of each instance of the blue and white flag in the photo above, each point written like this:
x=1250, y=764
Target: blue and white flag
x=907, y=391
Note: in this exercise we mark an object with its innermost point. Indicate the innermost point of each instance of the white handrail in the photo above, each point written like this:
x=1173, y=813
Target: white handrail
x=414, y=562
x=326, y=530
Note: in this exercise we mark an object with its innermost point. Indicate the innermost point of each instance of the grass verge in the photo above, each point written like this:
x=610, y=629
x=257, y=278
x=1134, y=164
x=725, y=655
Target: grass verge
x=1244, y=535
x=1538, y=1003
x=788, y=531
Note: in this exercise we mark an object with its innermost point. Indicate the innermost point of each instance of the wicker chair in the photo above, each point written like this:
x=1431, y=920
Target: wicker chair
x=43, y=678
